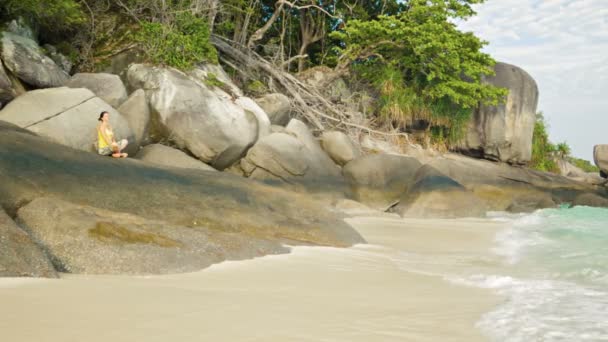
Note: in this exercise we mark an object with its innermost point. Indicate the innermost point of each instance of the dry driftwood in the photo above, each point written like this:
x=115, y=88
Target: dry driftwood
x=308, y=101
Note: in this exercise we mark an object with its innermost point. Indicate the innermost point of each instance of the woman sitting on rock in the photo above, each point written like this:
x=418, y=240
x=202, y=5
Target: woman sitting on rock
x=106, y=143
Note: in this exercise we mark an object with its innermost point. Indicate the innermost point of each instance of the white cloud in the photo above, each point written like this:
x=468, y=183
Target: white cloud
x=563, y=44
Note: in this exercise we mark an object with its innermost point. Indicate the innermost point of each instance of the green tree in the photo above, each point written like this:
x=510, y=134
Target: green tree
x=51, y=17
x=542, y=149
x=434, y=70
x=181, y=45
x=563, y=149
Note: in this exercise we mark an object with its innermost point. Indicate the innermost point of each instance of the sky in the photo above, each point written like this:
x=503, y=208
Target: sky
x=563, y=45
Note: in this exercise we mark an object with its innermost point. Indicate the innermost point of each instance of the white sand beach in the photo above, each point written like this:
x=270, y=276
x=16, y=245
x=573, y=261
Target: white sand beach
x=392, y=289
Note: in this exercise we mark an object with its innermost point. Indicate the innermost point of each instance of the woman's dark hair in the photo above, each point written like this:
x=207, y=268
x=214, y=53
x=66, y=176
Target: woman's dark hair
x=101, y=115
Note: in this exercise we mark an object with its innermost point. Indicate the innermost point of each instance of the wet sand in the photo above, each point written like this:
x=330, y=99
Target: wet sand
x=393, y=289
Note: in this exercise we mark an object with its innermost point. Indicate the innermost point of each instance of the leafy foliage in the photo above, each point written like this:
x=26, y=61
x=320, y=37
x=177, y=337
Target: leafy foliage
x=50, y=16
x=543, y=150
x=421, y=64
x=181, y=45
x=583, y=164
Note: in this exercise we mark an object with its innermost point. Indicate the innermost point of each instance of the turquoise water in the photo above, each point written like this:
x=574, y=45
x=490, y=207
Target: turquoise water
x=555, y=281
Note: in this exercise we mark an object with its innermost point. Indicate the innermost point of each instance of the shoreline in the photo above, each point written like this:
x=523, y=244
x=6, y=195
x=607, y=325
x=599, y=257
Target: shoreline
x=392, y=289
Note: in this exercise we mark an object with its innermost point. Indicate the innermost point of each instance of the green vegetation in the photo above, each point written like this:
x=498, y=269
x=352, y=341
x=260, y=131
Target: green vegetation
x=406, y=54
x=583, y=164
x=543, y=151
x=55, y=19
x=422, y=66
x=181, y=45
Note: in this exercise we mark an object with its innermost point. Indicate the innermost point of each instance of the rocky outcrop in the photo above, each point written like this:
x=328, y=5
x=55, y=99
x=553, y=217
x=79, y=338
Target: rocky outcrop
x=66, y=116
x=600, y=157
x=204, y=72
x=169, y=157
x=262, y=119
x=435, y=195
x=88, y=240
x=292, y=156
x=339, y=147
x=504, y=132
x=566, y=169
x=277, y=106
x=506, y=188
x=590, y=200
x=24, y=58
x=205, y=121
x=61, y=60
x=135, y=109
x=379, y=180
x=277, y=156
x=19, y=255
x=32, y=167
x=329, y=82
x=107, y=87
x=7, y=92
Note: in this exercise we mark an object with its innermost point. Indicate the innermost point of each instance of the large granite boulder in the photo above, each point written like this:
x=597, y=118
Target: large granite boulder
x=215, y=74
x=566, y=169
x=379, y=180
x=19, y=255
x=88, y=240
x=60, y=59
x=7, y=92
x=278, y=155
x=137, y=112
x=591, y=200
x=32, y=167
x=169, y=157
x=24, y=58
x=435, y=195
x=339, y=147
x=277, y=106
x=107, y=87
x=65, y=115
x=504, y=132
x=202, y=119
x=504, y=187
x=600, y=157
x=294, y=156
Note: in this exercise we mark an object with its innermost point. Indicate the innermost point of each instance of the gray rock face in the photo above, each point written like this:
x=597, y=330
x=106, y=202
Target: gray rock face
x=62, y=61
x=32, y=167
x=293, y=157
x=204, y=71
x=24, y=58
x=169, y=157
x=66, y=116
x=206, y=122
x=277, y=106
x=600, y=157
x=379, y=180
x=321, y=163
x=339, y=147
x=591, y=200
x=504, y=132
x=278, y=155
x=250, y=106
x=433, y=194
x=19, y=255
x=107, y=87
x=135, y=109
x=503, y=187
x=119, y=63
x=88, y=240
x=7, y=93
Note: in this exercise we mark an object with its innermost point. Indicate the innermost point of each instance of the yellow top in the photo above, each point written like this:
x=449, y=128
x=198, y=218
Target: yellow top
x=101, y=140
